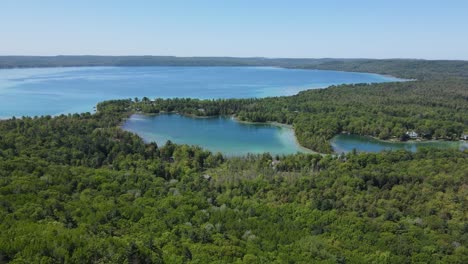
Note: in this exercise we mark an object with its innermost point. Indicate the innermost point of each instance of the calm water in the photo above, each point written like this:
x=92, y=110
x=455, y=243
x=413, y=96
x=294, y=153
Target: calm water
x=346, y=143
x=218, y=134
x=55, y=91
x=226, y=135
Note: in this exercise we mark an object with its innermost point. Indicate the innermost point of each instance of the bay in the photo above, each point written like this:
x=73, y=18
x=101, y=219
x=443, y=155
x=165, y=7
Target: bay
x=54, y=91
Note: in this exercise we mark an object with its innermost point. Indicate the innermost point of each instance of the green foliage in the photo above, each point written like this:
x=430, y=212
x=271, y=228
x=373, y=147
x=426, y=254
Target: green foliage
x=76, y=189
x=405, y=68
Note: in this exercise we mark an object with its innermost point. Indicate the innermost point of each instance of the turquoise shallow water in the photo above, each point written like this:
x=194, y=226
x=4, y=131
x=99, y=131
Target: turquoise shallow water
x=346, y=143
x=53, y=91
x=218, y=134
x=233, y=138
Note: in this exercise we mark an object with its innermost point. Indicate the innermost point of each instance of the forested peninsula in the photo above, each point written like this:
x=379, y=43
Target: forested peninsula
x=76, y=188
x=433, y=109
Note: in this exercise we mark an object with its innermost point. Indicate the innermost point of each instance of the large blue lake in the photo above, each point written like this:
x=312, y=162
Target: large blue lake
x=53, y=91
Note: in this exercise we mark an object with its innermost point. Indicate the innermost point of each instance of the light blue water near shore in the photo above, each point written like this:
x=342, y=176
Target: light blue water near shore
x=346, y=143
x=53, y=91
x=233, y=138
x=217, y=134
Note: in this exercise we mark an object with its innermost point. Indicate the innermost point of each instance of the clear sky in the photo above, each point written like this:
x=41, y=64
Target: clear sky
x=245, y=28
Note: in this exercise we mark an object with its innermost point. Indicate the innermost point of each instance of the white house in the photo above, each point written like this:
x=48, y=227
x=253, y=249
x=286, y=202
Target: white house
x=412, y=134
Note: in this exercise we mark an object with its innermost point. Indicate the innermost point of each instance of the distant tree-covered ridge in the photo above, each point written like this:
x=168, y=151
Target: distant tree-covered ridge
x=405, y=68
x=77, y=189
x=69, y=61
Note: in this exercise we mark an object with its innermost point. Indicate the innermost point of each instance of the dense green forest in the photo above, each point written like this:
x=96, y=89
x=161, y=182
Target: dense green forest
x=404, y=68
x=77, y=189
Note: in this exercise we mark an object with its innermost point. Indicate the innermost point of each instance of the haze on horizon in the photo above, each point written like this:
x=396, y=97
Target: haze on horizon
x=295, y=29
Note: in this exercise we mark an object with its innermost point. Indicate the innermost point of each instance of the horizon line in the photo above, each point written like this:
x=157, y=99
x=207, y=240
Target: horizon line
x=233, y=57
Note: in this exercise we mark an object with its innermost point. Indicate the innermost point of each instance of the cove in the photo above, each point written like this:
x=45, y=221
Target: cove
x=54, y=91
x=346, y=143
x=217, y=134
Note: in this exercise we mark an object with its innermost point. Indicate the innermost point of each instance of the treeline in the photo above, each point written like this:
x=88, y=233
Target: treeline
x=76, y=189
x=403, y=68
x=435, y=109
x=69, y=61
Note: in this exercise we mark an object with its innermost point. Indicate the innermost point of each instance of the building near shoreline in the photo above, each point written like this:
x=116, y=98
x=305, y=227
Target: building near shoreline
x=412, y=134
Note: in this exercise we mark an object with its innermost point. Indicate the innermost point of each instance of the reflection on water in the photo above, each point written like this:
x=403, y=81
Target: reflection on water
x=346, y=143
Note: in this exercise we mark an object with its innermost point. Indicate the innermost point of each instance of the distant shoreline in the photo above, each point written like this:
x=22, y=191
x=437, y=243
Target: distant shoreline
x=78, y=61
x=201, y=66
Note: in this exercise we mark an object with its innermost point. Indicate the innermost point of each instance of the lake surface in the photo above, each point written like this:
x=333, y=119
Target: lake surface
x=346, y=143
x=218, y=134
x=233, y=138
x=53, y=91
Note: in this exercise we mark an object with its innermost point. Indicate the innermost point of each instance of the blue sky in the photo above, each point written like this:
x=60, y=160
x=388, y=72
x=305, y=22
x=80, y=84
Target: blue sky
x=293, y=28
